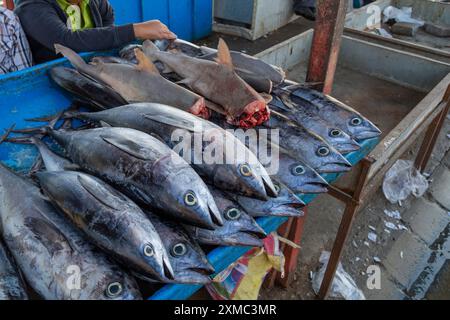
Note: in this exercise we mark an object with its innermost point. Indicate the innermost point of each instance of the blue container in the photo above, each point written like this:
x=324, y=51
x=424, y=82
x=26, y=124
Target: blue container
x=30, y=94
x=189, y=19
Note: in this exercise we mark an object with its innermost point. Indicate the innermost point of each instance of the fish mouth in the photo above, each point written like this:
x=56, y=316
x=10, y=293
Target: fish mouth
x=254, y=114
x=167, y=270
x=345, y=148
x=288, y=209
x=216, y=217
x=314, y=188
x=367, y=134
x=199, y=109
x=250, y=238
x=335, y=167
x=269, y=187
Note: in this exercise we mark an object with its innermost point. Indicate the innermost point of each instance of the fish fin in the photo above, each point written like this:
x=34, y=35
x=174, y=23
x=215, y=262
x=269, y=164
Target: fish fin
x=105, y=124
x=224, y=55
x=4, y=137
x=74, y=59
x=48, y=234
x=126, y=145
x=185, y=81
x=287, y=101
x=174, y=122
x=106, y=197
x=144, y=63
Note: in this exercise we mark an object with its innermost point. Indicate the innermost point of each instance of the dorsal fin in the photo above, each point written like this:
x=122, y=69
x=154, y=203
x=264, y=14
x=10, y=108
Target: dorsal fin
x=134, y=149
x=224, y=55
x=101, y=193
x=144, y=63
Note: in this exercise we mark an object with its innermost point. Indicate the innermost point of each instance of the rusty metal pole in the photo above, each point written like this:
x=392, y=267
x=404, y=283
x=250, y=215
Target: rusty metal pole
x=9, y=4
x=344, y=229
x=327, y=40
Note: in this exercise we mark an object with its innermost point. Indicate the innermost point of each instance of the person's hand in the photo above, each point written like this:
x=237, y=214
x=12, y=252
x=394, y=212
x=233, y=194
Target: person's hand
x=153, y=30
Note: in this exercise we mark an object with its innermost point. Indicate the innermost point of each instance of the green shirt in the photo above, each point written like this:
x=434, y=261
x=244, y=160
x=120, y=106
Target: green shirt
x=79, y=17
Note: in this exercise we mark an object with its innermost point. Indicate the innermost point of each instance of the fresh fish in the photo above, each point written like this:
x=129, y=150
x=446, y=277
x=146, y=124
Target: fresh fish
x=298, y=176
x=336, y=114
x=11, y=282
x=237, y=170
x=141, y=83
x=144, y=169
x=248, y=65
x=110, y=220
x=239, y=228
x=218, y=82
x=95, y=94
x=307, y=146
x=186, y=257
x=341, y=141
x=286, y=205
x=55, y=259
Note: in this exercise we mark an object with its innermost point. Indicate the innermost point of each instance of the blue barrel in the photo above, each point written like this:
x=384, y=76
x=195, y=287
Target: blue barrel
x=189, y=19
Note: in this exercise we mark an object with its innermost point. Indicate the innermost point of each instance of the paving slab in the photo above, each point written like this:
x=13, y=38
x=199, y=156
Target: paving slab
x=389, y=289
x=426, y=219
x=440, y=189
x=407, y=258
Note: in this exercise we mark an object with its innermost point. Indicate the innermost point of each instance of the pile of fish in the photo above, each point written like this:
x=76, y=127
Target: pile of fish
x=117, y=203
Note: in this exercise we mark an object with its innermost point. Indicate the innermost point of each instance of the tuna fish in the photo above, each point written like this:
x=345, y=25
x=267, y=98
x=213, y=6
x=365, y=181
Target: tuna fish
x=55, y=259
x=12, y=286
x=239, y=228
x=341, y=141
x=237, y=170
x=307, y=146
x=336, y=114
x=218, y=82
x=141, y=83
x=93, y=93
x=110, y=220
x=186, y=257
x=143, y=168
x=286, y=205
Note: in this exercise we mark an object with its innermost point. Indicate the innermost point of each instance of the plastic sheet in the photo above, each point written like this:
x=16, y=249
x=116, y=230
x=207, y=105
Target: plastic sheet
x=402, y=180
x=400, y=15
x=343, y=285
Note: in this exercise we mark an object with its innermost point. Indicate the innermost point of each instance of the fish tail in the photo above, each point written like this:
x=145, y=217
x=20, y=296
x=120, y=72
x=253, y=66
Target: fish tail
x=4, y=137
x=74, y=58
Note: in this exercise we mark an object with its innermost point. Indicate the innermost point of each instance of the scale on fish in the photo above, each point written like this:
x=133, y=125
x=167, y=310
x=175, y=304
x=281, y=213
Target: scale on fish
x=143, y=168
x=217, y=82
x=330, y=110
x=48, y=249
x=239, y=228
x=237, y=170
x=140, y=83
x=12, y=286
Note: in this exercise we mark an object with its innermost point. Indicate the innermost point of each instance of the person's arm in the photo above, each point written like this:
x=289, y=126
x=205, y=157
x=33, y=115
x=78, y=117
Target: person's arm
x=43, y=24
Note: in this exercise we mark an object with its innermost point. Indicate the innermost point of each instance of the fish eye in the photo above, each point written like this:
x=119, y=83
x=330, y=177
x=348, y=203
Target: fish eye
x=245, y=170
x=190, y=199
x=179, y=250
x=114, y=290
x=277, y=187
x=298, y=170
x=335, y=133
x=323, y=151
x=356, y=121
x=233, y=214
x=148, y=250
